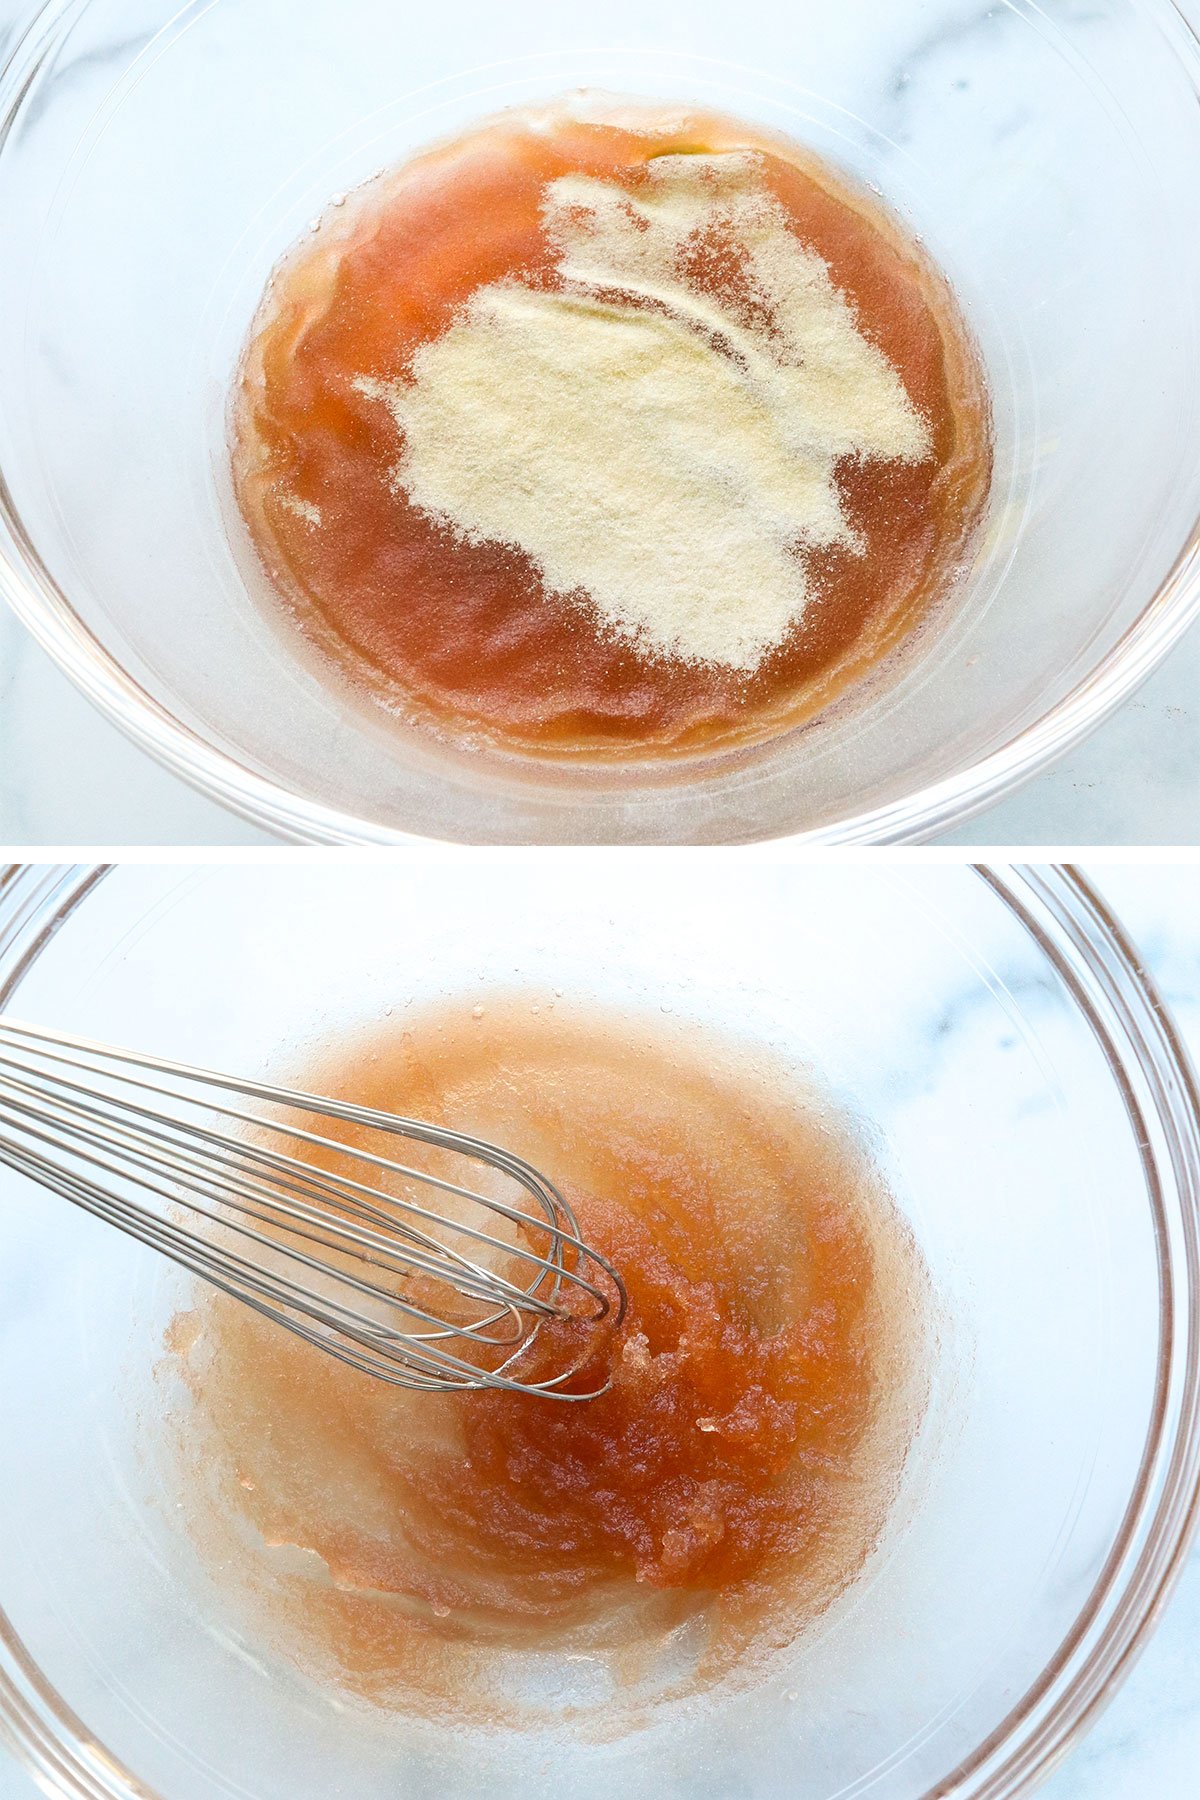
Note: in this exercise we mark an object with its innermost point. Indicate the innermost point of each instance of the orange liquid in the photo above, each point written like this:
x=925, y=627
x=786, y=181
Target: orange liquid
x=463, y=637
x=733, y=1480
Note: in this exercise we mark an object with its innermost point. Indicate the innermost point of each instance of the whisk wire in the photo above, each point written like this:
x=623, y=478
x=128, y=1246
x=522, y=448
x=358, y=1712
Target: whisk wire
x=235, y=1182
x=553, y=1203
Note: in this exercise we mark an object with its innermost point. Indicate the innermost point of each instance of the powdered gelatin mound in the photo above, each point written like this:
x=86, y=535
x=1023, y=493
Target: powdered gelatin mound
x=610, y=431
x=487, y=1551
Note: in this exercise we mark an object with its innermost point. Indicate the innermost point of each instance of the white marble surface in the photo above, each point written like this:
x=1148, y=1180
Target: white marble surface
x=1146, y=1746
x=69, y=777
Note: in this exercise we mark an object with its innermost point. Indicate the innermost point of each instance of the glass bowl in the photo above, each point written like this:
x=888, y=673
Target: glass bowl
x=1033, y=1108
x=155, y=161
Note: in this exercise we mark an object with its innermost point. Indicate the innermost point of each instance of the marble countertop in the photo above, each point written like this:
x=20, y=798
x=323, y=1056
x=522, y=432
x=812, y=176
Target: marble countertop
x=1146, y=1746
x=69, y=777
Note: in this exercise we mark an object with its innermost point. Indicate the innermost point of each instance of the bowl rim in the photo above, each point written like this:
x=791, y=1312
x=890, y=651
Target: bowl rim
x=1089, y=951
x=43, y=607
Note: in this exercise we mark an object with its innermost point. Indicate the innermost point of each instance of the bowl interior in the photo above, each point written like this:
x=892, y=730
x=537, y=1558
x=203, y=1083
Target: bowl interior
x=937, y=1019
x=160, y=161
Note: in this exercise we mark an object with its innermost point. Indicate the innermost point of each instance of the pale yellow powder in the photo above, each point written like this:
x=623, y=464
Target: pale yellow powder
x=647, y=448
x=303, y=509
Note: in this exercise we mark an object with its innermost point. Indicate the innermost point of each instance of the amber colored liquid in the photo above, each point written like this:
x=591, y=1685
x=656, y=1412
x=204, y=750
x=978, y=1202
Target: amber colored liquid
x=764, y=1385
x=463, y=637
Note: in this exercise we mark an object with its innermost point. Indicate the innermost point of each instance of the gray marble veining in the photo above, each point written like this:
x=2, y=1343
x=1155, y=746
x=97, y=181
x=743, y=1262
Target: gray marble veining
x=67, y=776
x=1146, y=1745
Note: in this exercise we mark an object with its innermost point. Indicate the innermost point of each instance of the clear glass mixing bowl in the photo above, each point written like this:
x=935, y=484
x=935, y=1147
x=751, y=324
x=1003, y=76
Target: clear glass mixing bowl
x=1038, y=1118
x=155, y=161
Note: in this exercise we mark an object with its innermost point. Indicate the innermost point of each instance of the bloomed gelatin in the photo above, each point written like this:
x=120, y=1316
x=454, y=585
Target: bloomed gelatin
x=459, y=634
x=764, y=1385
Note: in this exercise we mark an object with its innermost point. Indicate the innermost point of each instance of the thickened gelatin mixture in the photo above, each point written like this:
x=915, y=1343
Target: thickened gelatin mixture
x=451, y=1549
x=609, y=430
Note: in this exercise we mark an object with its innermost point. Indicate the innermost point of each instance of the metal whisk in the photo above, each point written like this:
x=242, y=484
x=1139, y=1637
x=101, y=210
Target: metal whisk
x=335, y=1243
